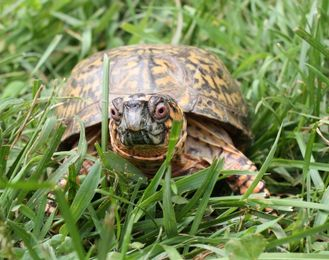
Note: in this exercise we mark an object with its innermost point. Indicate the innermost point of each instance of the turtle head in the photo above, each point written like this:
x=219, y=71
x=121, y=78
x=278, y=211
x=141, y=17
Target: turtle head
x=140, y=126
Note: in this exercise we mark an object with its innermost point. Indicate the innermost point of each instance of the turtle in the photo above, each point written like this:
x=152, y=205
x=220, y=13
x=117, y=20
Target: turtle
x=150, y=86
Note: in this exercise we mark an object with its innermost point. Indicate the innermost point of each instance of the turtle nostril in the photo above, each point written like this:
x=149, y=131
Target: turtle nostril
x=133, y=105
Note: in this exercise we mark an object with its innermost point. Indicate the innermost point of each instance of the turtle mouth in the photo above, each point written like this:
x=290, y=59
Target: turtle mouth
x=142, y=137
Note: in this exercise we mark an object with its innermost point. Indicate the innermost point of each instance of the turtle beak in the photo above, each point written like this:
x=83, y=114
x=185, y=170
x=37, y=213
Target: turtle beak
x=133, y=115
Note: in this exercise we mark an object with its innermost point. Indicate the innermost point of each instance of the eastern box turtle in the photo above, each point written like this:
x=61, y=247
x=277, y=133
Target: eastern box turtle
x=150, y=86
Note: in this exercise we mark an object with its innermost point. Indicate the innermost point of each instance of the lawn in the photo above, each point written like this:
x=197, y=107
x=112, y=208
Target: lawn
x=277, y=50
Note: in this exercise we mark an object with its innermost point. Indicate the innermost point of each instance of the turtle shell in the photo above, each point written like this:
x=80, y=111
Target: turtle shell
x=195, y=78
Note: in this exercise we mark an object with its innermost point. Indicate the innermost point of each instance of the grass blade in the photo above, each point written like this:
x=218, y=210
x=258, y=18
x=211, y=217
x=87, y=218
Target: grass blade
x=323, y=77
x=47, y=53
x=107, y=236
x=307, y=159
x=151, y=188
x=312, y=41
x=105, y=102
x=293, y=256
x=28, y=239
x=70, y=223
x=172, y=252
x=297, y=236
x=316, y=178
x=322, y=216
x=207, y=188
x=264, y=167
x=170, y=224
x=277, y=162
x=86, y=191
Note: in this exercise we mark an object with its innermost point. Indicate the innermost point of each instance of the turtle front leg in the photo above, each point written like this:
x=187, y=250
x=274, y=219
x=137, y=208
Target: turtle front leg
x=233, y=160
x=209, y=141
x=236, y=160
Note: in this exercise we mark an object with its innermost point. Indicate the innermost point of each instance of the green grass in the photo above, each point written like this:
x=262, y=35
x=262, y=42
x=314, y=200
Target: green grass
x=278, y=50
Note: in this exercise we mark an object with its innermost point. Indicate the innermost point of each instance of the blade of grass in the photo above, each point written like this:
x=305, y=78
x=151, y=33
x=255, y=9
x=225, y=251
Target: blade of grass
x=106, y=18
x=298, y=235
x=38, y=221
x=173, y=138
x=28, y=115
x=170, y=224
x=151, y=188
x=82, y=145
x=70, y=223
x=107, y=236
x=279, y=162
x=130, y=207
x=307, y=159
x=70, y=20
x=54, y=179
x=46, y=158
x=86, y=41
x=33, y=183
x=293, y=256
x=51, y=47
x=322, y=216
x=4, y=153
x=105, y=102
x=207, y=187
x=312, y=41
x=179, y=24
x=316, y=178
x=27, y=186
x=199, y=193
x=85, y=193
x=216, y=250
x=172, y=252
x=264, y=167
x=270, y=202
x=47, y=225
x=29, y=240
x=45, y=134
x=114, y=162
x=323, y=77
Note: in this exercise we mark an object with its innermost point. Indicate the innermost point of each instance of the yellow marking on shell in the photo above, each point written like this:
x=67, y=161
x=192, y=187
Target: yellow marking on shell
x=222, y=98
x=130, y=64
x=218, y=81
x=228, y=98
x=184, y=100
x=191, y=67
x=165, y=81
x=236, y=98
x=210, y=81
x=199, y=77
x=146, y=74
x=193, y=58
x=158, y=69
x=162, y=63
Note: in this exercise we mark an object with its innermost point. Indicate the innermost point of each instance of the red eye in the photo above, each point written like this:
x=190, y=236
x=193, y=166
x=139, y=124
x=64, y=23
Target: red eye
x=161, y=111
x=115, y=114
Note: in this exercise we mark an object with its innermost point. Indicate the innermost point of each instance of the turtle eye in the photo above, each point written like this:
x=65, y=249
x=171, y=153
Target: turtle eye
x=161, y=111
x=115, y=114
